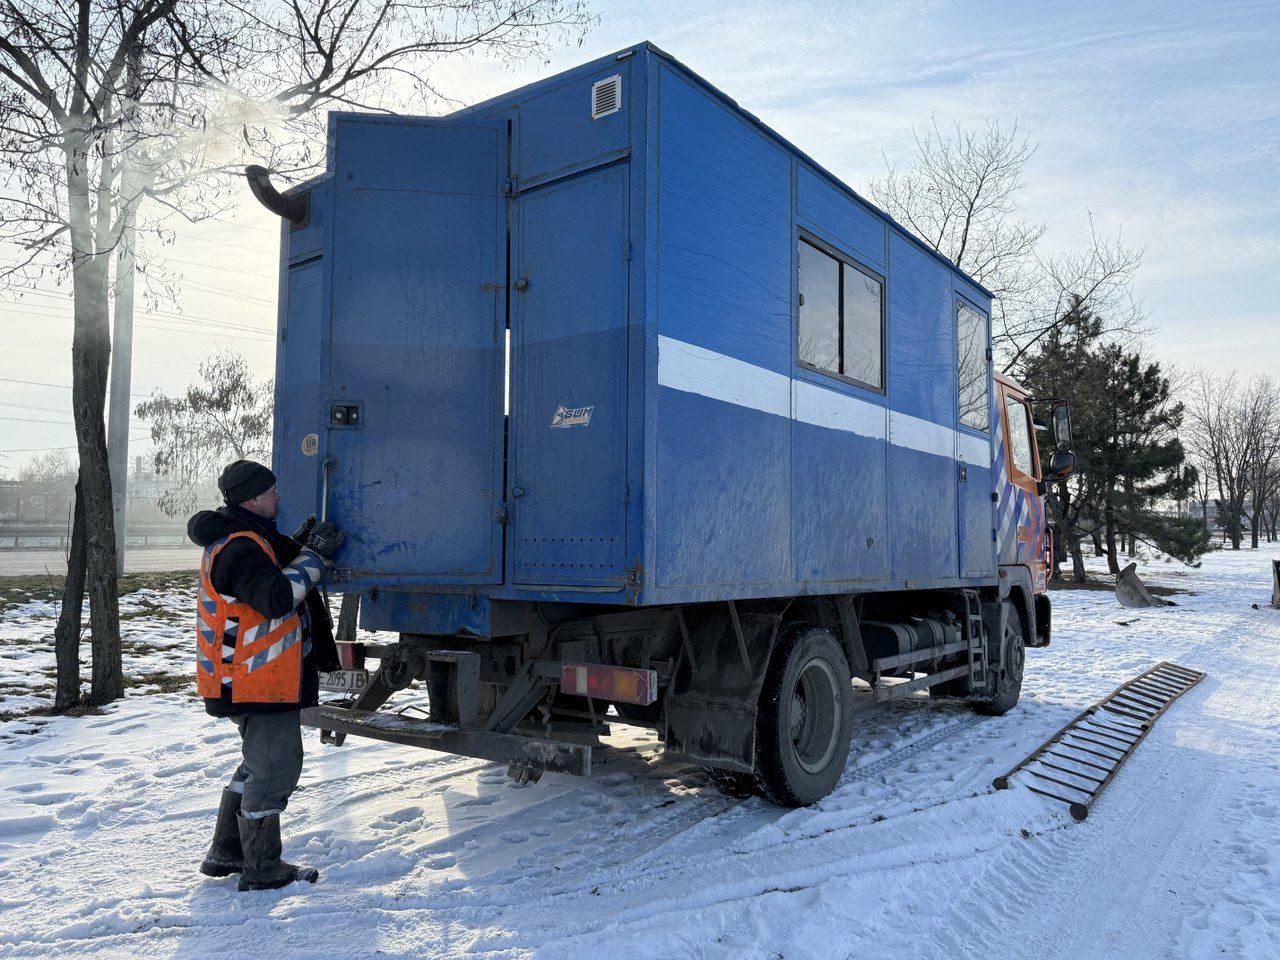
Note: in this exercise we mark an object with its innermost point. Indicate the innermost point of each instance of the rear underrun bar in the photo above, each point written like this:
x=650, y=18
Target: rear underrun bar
x=1091, y=748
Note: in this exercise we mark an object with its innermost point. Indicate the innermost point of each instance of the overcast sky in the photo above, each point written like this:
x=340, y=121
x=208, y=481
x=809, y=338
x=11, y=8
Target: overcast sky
x=1160, y=118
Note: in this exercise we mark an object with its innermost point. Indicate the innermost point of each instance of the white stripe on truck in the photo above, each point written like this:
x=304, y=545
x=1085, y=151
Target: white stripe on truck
x=693, y=369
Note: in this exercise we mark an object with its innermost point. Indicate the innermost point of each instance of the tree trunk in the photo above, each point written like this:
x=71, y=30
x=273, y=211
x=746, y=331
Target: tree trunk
x=1098, y=549
x=1109, y=535
x=1077, y=562
x=66, y=636
x=90, y=357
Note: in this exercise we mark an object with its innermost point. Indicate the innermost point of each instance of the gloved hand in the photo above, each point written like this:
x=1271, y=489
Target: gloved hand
x=325, y=539
x=304, y=531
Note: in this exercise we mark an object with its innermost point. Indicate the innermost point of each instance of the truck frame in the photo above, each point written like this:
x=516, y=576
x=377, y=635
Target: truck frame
x=632, y=411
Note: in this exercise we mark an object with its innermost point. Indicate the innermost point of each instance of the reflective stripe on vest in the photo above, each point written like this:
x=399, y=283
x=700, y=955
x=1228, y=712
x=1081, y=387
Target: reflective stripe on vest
x=259, y=658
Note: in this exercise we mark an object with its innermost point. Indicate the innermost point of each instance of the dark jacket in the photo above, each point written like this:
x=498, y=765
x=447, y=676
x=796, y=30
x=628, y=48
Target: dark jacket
x=244, y=571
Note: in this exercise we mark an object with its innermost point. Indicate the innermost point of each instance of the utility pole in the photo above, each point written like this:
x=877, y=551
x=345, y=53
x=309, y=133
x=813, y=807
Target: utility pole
x=121, y=381
x=122, y=331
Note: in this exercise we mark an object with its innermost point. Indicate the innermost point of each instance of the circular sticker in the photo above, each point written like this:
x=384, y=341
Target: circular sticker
x=311, y=444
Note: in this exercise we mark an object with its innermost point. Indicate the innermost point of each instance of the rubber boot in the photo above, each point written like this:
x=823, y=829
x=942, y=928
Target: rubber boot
x=263, y=868
x=225, y=856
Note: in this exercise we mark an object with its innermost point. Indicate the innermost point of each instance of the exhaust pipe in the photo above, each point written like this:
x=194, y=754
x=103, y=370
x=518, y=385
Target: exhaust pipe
x=294, y=208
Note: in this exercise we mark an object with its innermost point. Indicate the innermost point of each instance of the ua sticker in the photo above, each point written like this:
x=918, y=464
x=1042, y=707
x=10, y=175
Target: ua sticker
x=571, y=416
x=311, y=444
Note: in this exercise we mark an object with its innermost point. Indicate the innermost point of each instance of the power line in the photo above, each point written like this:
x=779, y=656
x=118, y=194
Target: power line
x=55, y=295
x=219, y=267
x=65, y=423
x=60, y=386
x=186, y=317
x=210, y=328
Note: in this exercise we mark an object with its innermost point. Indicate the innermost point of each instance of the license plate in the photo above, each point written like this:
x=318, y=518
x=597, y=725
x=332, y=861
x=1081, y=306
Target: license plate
x=344, y=681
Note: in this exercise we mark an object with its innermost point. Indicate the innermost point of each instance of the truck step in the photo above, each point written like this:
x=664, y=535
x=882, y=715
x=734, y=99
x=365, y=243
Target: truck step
x=1076, y=763
x=530, y=752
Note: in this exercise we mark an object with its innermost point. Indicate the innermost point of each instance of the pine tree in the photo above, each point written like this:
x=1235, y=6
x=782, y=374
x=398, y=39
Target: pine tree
x=1129, y=460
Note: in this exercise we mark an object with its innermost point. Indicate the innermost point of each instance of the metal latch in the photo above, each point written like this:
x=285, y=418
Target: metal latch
x=345, y=415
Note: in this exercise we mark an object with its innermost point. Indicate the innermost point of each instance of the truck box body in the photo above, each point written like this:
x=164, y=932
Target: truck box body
x=654, y=434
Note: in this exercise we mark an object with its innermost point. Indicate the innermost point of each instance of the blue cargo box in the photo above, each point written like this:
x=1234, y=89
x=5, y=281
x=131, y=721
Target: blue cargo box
x=728, y=375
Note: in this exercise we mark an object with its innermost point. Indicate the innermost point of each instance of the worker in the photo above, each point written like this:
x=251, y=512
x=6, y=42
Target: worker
x=263, y=633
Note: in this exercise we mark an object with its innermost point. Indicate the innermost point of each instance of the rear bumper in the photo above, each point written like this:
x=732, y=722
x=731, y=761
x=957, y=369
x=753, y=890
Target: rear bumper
x=550, y=755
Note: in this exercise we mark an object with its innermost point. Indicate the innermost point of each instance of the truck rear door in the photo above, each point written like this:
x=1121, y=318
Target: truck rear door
x=568, y=410
x=414, y=406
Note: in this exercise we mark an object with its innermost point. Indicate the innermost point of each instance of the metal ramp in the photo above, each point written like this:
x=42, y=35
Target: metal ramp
x=1076, y=763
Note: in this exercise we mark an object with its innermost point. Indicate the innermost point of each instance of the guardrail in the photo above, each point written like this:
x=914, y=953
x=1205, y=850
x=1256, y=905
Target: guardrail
x=51, y=536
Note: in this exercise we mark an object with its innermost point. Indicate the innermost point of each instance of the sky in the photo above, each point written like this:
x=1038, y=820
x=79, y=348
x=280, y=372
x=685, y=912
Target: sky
x=1159, y=120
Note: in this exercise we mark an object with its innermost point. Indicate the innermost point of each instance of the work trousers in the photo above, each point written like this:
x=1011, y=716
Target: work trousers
x=271, y=747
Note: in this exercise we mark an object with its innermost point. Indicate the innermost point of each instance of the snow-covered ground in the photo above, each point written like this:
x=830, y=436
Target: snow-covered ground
x=104, y=818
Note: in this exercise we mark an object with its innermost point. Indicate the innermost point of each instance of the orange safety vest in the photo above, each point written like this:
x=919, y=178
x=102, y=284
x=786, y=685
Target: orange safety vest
x=260, y=659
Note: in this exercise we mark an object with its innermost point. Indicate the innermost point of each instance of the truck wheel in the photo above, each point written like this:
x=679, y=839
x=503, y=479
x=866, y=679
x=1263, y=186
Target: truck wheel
x=805, y=719
x=1008, y=685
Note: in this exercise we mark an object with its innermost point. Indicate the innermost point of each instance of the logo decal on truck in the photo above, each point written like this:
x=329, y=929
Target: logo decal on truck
x=571, y=416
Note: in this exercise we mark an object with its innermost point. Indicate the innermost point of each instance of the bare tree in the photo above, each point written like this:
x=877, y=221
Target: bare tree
x=1262, y=409
x=111, y=107
x=1224, y=440
x=51, y=465
x=225, y=415
x=961, y=198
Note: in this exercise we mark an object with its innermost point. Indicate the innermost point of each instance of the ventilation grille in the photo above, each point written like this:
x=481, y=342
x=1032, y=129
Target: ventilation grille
x=606, y=97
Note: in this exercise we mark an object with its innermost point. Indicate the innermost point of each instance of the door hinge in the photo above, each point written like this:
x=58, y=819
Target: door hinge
x=628, y=249
x=500, y=513
x=511, y=188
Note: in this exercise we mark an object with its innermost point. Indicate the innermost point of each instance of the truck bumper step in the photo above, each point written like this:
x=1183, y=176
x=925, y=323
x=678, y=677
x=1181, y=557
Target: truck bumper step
x=508, y=748
x=1076, y=763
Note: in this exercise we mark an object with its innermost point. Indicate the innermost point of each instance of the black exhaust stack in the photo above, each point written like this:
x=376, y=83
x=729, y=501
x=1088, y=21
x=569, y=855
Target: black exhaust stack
x=295, y=209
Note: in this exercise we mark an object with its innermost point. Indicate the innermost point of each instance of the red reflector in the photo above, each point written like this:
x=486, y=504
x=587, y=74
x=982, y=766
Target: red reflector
x=621, y=684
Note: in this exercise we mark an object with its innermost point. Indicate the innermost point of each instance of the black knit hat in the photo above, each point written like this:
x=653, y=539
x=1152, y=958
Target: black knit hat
x=244, y=480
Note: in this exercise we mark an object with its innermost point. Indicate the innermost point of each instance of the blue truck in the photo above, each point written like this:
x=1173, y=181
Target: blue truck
x=633, y=413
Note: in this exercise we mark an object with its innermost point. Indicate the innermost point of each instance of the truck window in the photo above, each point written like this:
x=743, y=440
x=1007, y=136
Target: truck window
x=841, y=329
x=862, y=328
x=819, y=309
x=1020, y=435
x=973, y=382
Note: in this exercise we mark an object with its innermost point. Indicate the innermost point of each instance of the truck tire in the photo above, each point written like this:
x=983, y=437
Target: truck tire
x=804, y=720
x=1008, y=685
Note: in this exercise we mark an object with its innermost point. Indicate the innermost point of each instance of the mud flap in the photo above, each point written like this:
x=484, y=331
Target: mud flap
x=711, y=704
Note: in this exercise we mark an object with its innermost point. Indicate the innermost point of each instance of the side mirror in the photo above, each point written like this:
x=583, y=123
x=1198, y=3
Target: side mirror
x=1062, y=425
x=1062, y=464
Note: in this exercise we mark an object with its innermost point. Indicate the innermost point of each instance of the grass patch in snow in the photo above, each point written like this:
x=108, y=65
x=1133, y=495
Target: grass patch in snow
x=15, y=591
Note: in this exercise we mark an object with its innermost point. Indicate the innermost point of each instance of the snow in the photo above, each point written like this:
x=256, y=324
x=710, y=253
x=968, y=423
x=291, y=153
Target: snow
x=103, y=819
